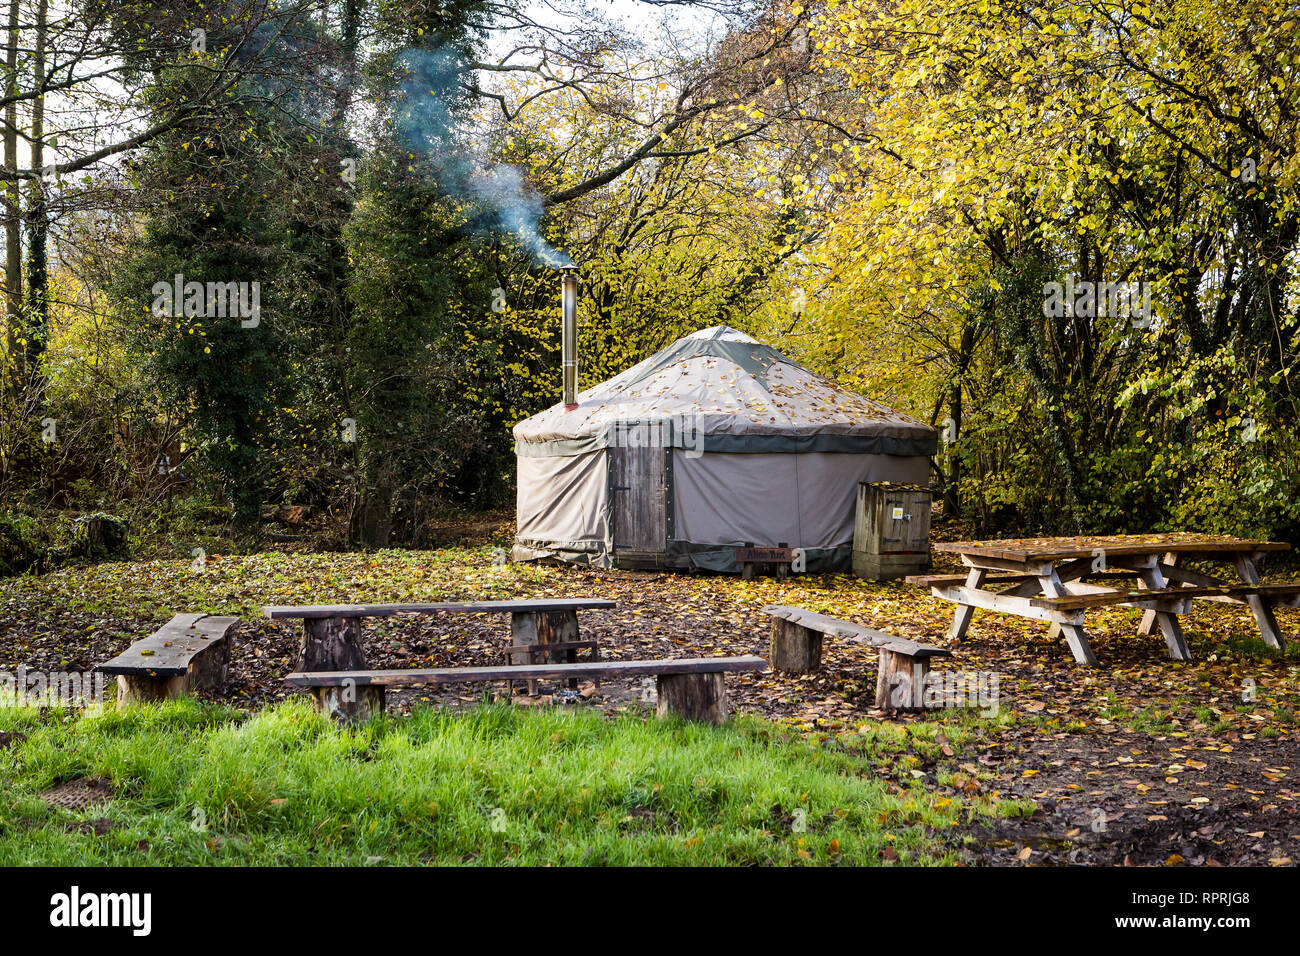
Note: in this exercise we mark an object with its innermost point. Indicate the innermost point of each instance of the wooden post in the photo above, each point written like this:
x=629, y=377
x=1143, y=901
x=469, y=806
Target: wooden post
x=1154, y=579
x=543, y=627
x=1148, y=625
x=334, y=644
x=1263, y=611
x=794, y=649
x=900, y=681
x=693, y=696
x=143, y=689
x=961, y=619
x=1074, y=634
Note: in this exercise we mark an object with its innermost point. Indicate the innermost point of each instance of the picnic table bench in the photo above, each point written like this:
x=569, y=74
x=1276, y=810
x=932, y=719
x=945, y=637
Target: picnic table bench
x=331, y=638
x=189, y=652
x=796, y=648
x=693, y=688
x=1056, y=580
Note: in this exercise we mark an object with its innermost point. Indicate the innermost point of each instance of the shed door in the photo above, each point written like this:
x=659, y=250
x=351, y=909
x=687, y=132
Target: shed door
x=640, y=498
x=905, y=522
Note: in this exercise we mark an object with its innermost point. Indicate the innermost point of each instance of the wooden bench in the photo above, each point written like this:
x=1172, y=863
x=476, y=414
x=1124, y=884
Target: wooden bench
x=796, y=648
x=1175, y=600
x=331, y=638
x=749, y=557
x=692, y=688
x=957, y=580
x=190, y=652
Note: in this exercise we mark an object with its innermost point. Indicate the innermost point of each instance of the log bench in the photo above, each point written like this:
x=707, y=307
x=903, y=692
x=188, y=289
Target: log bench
x=190, y=652
x=796, y=648
x=331, y=636
x=692, y=688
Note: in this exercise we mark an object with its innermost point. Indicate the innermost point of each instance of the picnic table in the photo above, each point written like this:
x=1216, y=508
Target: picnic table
x=1058, y=579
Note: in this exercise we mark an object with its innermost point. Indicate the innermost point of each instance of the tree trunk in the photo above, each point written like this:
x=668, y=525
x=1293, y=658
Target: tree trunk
x=13, y=213
x=334, y=644
x=543, y=627
x=794, y=649
x=693, y=696
x=37, y=224
x=900, y=681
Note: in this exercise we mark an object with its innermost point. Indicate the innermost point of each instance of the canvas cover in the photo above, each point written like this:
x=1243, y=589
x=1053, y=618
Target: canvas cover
x=739, y=394
x=807, y=499
x=763, y=451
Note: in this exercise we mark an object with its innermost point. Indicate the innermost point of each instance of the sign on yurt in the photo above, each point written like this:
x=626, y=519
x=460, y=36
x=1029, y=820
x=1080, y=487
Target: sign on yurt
x=716, y=441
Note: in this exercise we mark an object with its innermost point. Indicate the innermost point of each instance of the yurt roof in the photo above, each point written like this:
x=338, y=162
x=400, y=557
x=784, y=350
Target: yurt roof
x=734, y=390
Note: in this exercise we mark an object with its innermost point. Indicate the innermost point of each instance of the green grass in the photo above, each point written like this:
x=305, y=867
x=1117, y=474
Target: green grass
x=197, y=784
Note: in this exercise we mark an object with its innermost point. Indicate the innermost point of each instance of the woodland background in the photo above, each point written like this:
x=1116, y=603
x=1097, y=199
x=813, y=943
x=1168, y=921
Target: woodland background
x=880, y=188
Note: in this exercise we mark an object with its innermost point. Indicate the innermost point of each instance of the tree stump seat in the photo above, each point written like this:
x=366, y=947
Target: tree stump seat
x=190, y=652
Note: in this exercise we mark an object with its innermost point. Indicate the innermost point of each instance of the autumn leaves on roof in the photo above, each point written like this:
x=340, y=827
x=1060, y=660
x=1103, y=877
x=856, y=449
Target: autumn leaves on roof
x=729, y=384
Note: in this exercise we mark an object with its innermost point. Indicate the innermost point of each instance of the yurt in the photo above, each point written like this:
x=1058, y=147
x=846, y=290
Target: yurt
x=714, y=442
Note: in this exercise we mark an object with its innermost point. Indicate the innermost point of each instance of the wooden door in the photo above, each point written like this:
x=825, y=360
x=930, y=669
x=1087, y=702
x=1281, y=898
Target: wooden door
x=891, y=520
x=640, y=498
x=905, y=522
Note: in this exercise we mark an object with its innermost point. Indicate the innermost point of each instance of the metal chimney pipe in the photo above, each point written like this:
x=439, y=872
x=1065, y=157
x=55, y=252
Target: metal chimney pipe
x=569, y=335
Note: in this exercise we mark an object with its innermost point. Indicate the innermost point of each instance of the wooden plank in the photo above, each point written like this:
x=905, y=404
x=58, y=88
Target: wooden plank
x=277, y=612
x=1055, y=549
x=461, y=675
x=949, y=580
x=1033, y=567
x=847, y=630
x=553, y=646
x=1168, y=567
x=1165, y=597
x=172, y=647
x=975, y=579
x=1008, y=604
x=1174, y=640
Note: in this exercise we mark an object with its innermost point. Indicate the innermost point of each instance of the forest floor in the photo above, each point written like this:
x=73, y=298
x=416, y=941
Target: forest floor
x=1141, y=761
